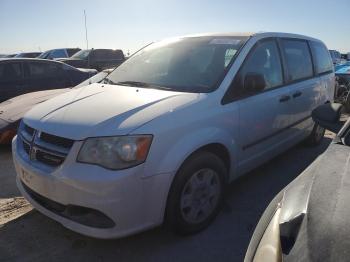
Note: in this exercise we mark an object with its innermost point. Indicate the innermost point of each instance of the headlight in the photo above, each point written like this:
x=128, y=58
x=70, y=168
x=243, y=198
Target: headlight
x=118, y=152
x=269, y=248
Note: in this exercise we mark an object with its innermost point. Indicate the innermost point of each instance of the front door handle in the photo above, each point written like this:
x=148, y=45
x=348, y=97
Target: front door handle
x=284, y=98
x=297, y=94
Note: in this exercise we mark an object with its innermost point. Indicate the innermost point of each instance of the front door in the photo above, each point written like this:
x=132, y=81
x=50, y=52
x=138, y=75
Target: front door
x=265, y=109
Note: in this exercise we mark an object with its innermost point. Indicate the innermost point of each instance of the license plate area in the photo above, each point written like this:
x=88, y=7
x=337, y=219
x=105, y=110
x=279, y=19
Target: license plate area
x=26, y=177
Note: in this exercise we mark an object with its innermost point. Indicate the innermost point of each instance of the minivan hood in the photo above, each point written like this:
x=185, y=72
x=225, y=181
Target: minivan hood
x=103, y=110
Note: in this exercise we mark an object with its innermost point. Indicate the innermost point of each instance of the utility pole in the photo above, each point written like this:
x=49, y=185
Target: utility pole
x=87, y=42
x=86, y=35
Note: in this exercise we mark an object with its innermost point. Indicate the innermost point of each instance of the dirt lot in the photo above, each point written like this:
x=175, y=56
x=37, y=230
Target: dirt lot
x=26, y=235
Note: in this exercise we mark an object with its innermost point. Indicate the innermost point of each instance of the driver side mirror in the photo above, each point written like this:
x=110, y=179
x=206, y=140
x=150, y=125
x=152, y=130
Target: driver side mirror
x=254, y=83
x=328, y=116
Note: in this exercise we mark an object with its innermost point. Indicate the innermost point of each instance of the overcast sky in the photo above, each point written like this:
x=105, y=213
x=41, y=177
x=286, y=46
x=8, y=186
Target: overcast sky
x=31, y=25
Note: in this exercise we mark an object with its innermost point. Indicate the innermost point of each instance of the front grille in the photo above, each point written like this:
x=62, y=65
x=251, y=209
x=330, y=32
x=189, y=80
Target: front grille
x=48, y=158
x=45, y=148
x=26, y=147
x=56, y=140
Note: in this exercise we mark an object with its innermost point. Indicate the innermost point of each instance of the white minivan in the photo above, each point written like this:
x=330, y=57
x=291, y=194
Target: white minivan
x=160, y=138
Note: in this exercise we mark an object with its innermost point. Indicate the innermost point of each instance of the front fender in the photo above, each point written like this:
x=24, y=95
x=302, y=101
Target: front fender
x=169, y=159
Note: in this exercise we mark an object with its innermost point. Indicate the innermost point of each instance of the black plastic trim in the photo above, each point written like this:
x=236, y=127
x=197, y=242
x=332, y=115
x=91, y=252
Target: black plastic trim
x=82, y=215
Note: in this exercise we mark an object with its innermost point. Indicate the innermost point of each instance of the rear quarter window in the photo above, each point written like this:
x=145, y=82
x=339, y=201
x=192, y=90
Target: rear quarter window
x=44, y=69
x=298, y=59
x=322, y=59
x=117, y=54
x=106, y=54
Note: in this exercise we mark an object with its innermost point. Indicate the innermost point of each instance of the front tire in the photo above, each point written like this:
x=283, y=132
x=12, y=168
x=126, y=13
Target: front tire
x=316, y=135
x=196, y=194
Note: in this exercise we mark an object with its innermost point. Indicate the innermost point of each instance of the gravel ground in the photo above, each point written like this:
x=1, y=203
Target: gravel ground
x=26, y=235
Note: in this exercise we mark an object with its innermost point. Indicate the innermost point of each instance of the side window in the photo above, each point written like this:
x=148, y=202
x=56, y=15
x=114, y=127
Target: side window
x=100, y=54
x=298, y=59
x=72, y=51
x=117, y=54
x=10, y=71
x=107, y=54
x=322, y=59
x=263, y=65
x=44, y=70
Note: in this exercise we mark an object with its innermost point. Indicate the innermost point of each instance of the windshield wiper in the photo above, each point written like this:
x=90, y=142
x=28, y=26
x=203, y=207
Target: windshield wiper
x=132, y=83
x=141, y=84
x=108, y=81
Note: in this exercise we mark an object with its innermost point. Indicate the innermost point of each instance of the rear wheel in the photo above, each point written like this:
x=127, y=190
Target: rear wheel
x=196, y=193
x=316, y=135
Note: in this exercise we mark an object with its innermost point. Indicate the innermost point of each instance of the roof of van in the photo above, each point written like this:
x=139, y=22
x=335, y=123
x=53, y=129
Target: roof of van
x=251, y=34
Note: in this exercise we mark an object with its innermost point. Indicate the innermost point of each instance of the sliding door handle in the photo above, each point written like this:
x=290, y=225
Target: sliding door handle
x=297, y=94
x=284, y=98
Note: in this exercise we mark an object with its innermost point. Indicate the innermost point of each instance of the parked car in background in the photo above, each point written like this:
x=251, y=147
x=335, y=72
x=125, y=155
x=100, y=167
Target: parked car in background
x=12, y=110
x=339, y=66
x=342, y=90
x=98, y=59
x=309, y=219
x=336, y=57
x=59, y=53
x=168, y=129
x=28, y=55
x=23, y=75
x=343, y=74
x=9, y=56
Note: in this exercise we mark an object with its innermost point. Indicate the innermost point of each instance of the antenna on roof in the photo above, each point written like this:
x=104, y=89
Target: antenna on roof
x=86, y=36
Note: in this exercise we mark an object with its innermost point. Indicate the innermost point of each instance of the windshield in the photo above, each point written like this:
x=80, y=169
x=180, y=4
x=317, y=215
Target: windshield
x=193, y=64
x=82, y=54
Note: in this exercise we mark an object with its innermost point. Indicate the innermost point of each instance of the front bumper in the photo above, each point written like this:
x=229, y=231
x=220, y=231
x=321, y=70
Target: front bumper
x=133, y=202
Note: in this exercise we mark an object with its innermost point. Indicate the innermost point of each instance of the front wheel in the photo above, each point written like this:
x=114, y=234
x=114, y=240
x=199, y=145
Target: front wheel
x=316, y=135
x=196, y=194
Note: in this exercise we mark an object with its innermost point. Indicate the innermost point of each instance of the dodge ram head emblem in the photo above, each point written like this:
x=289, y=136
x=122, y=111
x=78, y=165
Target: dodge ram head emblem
x=33, y=152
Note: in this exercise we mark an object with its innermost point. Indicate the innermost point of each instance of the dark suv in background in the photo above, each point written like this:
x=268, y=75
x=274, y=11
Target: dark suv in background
x=98, y=59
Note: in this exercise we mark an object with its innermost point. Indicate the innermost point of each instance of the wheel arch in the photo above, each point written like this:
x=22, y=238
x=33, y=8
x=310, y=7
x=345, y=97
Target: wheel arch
x=217, y=149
